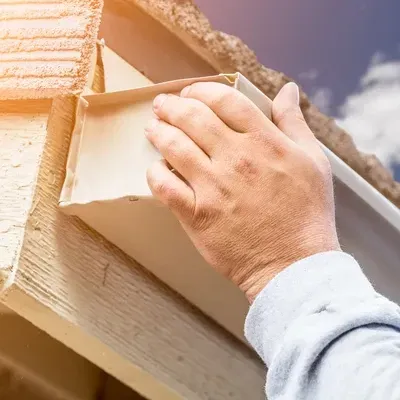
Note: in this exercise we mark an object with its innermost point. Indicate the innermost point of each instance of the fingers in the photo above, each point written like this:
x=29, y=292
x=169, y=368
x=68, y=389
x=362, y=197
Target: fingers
x=230, y=105
x=287, y=115
x=194, y=118
x=170, y=190
x=177, y=148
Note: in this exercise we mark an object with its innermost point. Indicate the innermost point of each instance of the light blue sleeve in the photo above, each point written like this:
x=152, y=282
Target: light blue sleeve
x=325, y=333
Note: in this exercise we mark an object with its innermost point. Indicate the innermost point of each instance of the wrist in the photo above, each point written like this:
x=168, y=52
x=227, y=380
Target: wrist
x=258, y=277
x=256, y=282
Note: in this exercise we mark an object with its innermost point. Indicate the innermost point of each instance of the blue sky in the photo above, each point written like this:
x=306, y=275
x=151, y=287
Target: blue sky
x=344, y=53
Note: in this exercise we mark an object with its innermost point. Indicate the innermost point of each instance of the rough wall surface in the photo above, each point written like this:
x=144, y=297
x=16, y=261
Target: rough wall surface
x=228, y=54
x=46, y=46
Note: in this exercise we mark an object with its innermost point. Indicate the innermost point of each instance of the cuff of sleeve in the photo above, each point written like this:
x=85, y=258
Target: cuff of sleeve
x=301, y=289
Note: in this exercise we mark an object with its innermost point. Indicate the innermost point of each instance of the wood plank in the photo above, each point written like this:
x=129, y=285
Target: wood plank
x=22, y=134
x=88, y=294
x=151, y=48
x=23, y=130
x=115, y=390
x=44, y=366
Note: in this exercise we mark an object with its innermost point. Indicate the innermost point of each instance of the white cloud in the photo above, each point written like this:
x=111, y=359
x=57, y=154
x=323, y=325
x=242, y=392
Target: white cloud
x=372, y=114
x=378, y=58
x=322, y=98
x=310, y=75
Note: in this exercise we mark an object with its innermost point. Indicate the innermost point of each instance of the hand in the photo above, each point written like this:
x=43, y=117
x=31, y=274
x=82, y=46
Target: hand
x=253, y=195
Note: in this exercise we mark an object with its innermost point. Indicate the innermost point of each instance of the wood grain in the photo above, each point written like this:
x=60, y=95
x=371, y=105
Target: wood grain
x=22, y=133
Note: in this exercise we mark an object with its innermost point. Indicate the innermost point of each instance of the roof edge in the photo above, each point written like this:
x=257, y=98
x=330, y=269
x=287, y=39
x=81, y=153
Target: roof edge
x=227, y=53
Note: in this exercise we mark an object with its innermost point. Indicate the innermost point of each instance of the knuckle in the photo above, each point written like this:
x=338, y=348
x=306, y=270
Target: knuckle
x=223, y=189
x=163, y=190
x=219, y=96
x=187, y=111
x=225, y=97
x=244, y=165
x=171, y=145
x=197, y=87
x=159, y=187
x=279, y=150
x=177, y=148
x=193, y=110
x=268, y=145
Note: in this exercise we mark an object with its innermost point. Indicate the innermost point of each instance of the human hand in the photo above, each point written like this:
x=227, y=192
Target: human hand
x=253, y=195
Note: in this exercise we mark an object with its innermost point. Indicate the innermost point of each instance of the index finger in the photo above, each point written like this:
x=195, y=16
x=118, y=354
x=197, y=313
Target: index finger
x=230, y=105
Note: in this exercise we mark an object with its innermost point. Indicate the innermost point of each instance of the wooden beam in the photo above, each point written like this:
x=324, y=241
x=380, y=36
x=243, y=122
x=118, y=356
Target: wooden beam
x=79, y=288
x=115, y=390
x=146, y=44
x=22, y=136
x=38, y=364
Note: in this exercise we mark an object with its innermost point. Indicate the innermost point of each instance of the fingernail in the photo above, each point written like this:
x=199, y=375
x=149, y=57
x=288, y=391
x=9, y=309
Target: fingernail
x=151, y=125
x=293, y=92
x=158, y=101
x=185, y=91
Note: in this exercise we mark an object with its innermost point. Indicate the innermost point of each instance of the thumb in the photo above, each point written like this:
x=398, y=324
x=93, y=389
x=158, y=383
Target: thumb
x=287, y=115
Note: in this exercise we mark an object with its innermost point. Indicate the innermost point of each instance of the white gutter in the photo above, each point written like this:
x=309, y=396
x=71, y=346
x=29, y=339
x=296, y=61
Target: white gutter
x=363, y=189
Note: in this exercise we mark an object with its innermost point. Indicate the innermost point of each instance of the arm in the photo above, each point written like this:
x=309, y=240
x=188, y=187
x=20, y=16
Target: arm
x=256, y=198
x=333, y=337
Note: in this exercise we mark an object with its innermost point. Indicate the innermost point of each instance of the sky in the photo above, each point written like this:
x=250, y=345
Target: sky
x=344, y=53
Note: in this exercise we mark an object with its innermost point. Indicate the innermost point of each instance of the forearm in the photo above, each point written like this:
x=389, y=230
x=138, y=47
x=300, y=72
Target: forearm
x=325, y=333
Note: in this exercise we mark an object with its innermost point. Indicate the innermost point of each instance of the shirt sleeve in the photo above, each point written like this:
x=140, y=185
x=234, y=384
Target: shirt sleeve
x=325, y=333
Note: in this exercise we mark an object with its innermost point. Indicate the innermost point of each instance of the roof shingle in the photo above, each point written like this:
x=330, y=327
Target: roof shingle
x=46, y=46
